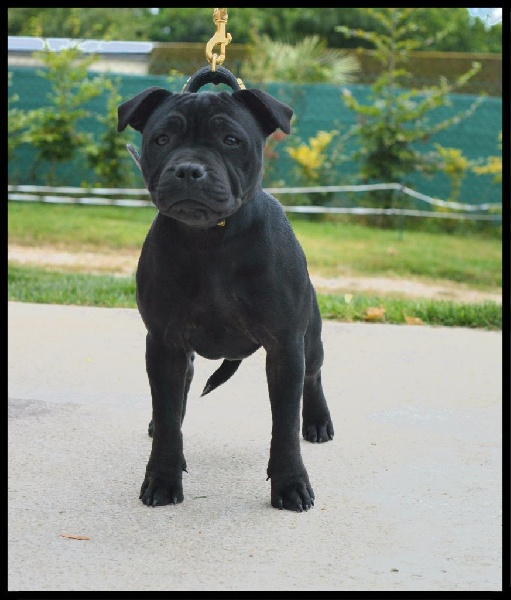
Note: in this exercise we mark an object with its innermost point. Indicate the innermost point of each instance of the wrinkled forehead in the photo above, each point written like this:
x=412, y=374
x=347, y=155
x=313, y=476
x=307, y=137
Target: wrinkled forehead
x=199, y=108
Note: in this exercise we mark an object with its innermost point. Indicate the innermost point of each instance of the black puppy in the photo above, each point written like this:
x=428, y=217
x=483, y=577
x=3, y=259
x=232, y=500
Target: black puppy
x=221, y=273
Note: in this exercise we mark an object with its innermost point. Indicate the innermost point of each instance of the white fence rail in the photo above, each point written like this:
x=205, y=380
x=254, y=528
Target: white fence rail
x=105, y=196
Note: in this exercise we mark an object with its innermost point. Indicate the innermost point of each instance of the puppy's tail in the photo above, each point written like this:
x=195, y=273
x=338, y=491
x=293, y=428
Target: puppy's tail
x=221, y=375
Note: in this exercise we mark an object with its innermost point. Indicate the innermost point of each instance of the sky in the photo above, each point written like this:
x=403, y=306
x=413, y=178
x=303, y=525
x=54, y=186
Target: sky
x=490, y=16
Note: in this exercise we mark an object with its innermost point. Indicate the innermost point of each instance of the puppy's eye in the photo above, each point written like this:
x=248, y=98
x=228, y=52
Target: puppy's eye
x=230, y=140
x=161, y=140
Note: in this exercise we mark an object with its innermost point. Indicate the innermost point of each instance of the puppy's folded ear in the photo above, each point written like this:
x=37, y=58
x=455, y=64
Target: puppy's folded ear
x=136, y=111
x=270, y=113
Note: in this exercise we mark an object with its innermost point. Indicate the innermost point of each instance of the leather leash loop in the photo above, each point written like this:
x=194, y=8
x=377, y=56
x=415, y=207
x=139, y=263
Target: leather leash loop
x=206, y=75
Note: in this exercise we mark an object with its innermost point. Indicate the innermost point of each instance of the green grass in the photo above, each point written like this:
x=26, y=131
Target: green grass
x=78, y=226
x=43, y=286
x=332, y=248
x=335, y=248
x=37, y=285
x=485, y=315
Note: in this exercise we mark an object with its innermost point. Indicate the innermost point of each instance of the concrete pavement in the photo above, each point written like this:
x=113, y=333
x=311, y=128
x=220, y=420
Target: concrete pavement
x=408, y=494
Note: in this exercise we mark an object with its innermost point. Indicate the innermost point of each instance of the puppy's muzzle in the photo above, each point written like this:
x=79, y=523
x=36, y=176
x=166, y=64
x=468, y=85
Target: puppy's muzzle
x=189, y=171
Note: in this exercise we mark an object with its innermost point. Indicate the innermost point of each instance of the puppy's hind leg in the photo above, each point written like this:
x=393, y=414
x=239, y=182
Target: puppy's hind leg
x=317, y=424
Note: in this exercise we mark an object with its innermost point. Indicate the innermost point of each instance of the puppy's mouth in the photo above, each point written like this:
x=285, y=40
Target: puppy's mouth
x=193, y=213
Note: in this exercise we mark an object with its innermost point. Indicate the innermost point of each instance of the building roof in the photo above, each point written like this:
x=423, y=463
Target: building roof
x=27, y=44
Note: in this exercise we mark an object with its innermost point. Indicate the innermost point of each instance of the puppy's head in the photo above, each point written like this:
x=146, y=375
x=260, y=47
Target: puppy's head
x=202, y=154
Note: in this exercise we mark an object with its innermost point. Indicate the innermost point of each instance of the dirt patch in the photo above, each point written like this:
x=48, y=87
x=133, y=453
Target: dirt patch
x=407, y=288
x=118, y=263
x=125, y=263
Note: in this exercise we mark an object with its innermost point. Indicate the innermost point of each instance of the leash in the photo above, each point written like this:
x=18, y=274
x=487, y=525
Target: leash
x=215, y=73
x=220, y=38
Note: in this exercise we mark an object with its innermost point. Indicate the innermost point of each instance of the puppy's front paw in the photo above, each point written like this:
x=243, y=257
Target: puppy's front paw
x=321, y=430
x=159, y=491
x=294, y=495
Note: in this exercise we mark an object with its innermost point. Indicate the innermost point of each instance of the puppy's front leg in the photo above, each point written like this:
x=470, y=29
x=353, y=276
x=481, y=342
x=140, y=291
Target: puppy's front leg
x=167, y=372
x=285, y=366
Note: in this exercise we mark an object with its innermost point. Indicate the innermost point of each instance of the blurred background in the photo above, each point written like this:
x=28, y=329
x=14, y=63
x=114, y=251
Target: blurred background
x=391, y=176
x=406, y=96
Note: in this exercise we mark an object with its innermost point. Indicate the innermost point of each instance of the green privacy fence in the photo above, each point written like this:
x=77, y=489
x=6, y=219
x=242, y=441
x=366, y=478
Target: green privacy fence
x=317, y=107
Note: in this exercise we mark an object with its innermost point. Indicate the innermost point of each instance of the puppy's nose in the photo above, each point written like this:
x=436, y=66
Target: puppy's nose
x=189, y=170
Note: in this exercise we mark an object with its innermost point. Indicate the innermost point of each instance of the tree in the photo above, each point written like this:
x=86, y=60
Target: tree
x=51, y=129
x=98, y=23
x=16, y=122
x=307, y=61
x=108, y=156
x=493, y=165
x=178, y=25
x=289, y=25
x=395, y=121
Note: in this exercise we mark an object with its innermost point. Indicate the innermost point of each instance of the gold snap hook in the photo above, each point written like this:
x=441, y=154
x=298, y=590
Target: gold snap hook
x=220, y=38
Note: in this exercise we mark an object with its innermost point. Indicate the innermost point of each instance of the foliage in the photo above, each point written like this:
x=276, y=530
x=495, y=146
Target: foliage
x=108, y=157
x=455, y=165
x=16, y=122
x=306, y=61
x=51, y=130
x=310, y=157
x=493, y=165
x=185, y=25
x=317, y=164
x=102, y=23
x=280, y=24
x=270, y=155
x=392, y=126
